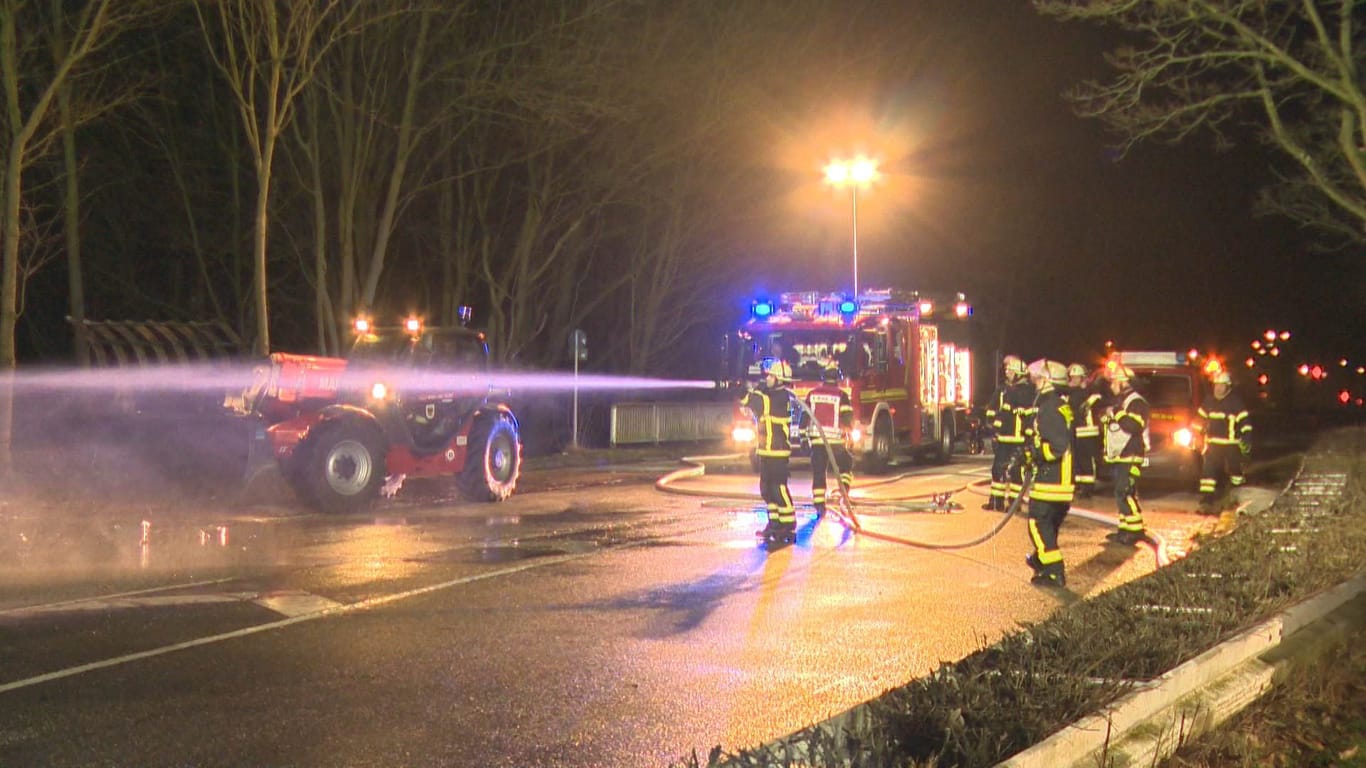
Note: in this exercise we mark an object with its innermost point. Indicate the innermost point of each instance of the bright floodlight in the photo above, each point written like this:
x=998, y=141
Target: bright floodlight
x=863, y=170
x=837, y=173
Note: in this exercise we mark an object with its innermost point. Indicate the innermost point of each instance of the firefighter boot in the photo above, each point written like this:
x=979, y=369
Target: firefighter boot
x=1051, y=575
x=1124, y=538
x=1032, y=560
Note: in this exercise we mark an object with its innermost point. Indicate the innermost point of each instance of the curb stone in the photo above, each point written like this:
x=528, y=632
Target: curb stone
x=1148, y=724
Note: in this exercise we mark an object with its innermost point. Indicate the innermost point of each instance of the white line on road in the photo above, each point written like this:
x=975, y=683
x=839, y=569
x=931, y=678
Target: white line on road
x=99, y=598
x=330, y=611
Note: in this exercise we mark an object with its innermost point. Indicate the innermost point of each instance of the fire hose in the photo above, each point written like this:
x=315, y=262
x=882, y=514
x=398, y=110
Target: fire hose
x=847, y=515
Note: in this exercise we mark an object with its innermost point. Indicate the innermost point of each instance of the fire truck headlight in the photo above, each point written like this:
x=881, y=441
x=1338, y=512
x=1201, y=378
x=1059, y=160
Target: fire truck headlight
x=856, y=434
x=742, y=434
x=1183, y=437
x=379, y=390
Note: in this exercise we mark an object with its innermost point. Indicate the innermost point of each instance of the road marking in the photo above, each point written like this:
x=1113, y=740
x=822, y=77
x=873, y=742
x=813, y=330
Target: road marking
x=114, y=596
x=296, y=603
x=335, y=610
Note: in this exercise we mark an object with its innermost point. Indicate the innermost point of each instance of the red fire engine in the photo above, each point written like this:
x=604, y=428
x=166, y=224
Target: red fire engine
x=904, y=356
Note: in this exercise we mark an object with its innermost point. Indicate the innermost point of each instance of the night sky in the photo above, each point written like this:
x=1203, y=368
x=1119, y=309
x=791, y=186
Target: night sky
x=998, y=189
x=992, y=186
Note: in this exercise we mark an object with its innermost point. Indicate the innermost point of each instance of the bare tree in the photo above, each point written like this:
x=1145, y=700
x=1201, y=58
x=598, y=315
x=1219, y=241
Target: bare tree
x=1293, y=71
x=43, y=50
x=269, y=52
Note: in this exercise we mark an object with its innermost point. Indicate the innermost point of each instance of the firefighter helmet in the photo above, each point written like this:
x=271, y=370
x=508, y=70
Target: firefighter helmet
x=1117, y=372
x=1052, y=370
x=831, y=375
x=1076, y=371
x=1222, y=377
x=778, y=369
x=1014, y=367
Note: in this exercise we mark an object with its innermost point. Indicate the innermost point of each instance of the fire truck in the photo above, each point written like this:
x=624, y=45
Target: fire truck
x=905, y=359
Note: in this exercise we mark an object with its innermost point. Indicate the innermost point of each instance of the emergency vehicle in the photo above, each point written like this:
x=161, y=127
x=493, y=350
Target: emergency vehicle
x=1174, y=386
x=407, y=401
x=904, y=357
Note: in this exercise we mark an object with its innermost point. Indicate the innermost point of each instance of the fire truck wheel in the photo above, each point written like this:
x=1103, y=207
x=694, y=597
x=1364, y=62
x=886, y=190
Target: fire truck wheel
x=943, y=449
x=494, y=461
x=877, y=459
x=343, y=466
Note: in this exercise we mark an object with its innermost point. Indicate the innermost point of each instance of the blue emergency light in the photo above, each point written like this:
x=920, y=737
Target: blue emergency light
x=761, y=309
x=848, y=307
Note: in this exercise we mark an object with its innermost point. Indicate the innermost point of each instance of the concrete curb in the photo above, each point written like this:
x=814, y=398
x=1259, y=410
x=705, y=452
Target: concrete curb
x=1217, y=684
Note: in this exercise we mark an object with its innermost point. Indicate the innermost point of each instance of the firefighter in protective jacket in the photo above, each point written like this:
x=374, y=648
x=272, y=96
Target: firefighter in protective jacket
x=772, y=405
x=832, y=419
x=1226, y=426
x=1008, y=414
x=1125, y=427
x=1050, y=450
x=1085, y=401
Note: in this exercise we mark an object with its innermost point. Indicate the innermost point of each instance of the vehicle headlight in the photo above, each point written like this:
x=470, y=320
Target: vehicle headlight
x=379, y=390
x=742, y=434
x=856, y=434
x=1183, y=437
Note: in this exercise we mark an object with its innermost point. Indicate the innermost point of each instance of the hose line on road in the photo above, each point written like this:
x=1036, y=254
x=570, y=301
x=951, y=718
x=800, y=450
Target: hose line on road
x=850, y=519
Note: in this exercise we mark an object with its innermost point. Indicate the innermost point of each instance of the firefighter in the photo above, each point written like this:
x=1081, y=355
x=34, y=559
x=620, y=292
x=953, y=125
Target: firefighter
x=1007, y=416
x=771, y=403
x=1050, y=449
x=1226, y=427
x=1085, y=401
x=832, y=415
x=1125, y=428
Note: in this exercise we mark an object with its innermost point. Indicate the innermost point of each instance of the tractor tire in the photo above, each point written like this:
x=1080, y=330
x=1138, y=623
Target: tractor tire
x=493, y=462
x=343, y=467
x=876, y=460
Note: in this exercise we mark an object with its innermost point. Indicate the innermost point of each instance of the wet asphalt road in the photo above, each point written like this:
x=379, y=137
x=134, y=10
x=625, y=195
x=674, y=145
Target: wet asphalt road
x=591, y=621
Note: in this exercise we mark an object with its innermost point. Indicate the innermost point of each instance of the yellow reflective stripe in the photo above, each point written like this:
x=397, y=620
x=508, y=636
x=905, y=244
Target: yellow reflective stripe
x=873, y=395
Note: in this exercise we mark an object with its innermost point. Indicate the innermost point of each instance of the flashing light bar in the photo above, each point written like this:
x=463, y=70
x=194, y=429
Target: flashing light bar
x=812, y=305
x=1150, y=358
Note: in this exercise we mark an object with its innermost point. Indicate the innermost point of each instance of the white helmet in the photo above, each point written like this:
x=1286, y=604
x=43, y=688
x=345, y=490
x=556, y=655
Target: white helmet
x=1222, y=377
x=1014, y=367
x=1076, y=371
x=1052, y=370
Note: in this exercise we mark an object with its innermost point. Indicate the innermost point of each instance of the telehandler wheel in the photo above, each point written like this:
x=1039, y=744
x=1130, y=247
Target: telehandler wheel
x=343, y=467
x=494, y=461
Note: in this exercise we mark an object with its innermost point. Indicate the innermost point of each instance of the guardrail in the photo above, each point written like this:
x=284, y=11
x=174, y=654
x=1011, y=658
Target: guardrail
x=634, y=423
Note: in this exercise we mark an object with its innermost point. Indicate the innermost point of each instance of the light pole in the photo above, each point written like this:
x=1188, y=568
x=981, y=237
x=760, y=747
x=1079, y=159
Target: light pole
x=858, y=172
